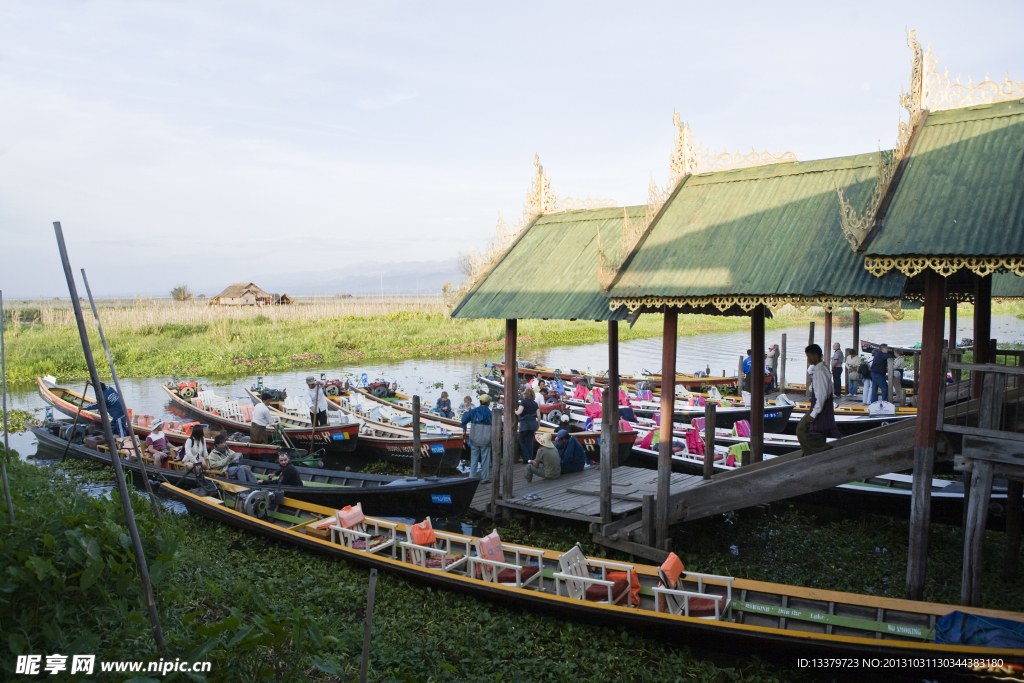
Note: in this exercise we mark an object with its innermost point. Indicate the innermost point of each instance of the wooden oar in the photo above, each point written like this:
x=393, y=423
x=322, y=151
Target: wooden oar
x=75, y=424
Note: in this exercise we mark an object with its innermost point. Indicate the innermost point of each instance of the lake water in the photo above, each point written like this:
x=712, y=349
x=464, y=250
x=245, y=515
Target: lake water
x=428, y=378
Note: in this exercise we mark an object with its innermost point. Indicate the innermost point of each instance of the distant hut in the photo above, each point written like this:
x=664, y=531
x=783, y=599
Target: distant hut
x=248, y=294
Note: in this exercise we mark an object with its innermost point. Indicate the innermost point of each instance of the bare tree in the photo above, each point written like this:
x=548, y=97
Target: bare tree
x=181, y=293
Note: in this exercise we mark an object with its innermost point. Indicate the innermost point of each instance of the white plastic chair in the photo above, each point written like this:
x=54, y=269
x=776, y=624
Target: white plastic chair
x=575, y=573
x=491, y=570
x=419, y=555
x=677, y=601
x=353, y=526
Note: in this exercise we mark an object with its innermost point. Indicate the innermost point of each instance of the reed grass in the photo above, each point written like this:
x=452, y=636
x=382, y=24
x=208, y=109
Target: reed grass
x=156, y=337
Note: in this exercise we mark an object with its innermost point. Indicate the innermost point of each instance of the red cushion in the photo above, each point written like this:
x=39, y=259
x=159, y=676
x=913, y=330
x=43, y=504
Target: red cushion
x=599, y=593
x=509, y=575
x=702, y=607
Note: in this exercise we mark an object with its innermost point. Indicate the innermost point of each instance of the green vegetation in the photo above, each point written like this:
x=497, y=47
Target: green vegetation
x=192, y=339
x=262, y=611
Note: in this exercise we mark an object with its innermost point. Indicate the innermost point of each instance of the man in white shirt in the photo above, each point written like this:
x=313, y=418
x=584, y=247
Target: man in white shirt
x=317, y=401
x=262, y=420
x=836, y=367
x=820, y=422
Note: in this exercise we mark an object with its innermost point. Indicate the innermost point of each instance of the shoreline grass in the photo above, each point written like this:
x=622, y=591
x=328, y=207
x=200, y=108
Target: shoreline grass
x=152, y=338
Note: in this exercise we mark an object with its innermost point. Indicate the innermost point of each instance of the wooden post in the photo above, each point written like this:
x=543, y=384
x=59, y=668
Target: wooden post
x=709, y=439
x=668, y=401
x=368, y=628
x=510, y=447
x=782, y=365
x=7, y=448
x=974, y=533
x=856, y=331
x=153, y=501
x=417, y=455
x=739, y=378
x=122, y=486
x=606, y=459
x=610, y=423
x=917, y=374
x=828, y=335
x=982, y=328
x=932, y=388
x=952, y=324
x=496, y=467
x=1013, y=503
x=757, y=384
x=807, y=378
x=647, y=512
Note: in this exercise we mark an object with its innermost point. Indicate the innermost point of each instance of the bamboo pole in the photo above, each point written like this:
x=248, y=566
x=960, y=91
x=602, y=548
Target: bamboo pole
x=122, y=486
x=417, y=457
x=124, y=406
x=78, y=414
x=668, y=401
x=494, y=469
x=313, y=415
x=7, y=448
x=757, y=384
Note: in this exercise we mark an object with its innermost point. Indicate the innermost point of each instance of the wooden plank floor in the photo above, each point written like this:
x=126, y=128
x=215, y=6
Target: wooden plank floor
x=577, y=495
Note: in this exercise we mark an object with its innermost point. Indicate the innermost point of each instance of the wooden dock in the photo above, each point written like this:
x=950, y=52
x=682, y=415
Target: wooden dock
x=577, y=495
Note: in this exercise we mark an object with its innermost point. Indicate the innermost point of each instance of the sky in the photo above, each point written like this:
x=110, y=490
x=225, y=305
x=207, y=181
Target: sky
x=211, y=142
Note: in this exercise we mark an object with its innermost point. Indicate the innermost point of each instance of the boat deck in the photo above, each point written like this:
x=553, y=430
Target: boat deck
x=577, y=495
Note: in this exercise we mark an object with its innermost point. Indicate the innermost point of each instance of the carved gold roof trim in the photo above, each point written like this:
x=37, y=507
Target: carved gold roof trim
x=747, y=303
x=940, y=92
x=855, y=225
x=945, y=265
x=539, y=200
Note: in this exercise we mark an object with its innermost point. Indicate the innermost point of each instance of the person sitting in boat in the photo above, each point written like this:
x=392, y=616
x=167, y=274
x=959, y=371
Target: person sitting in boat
x=223, y=458
x=899, y=365
x=567, y=425
x=543, y=396
x=852, y=362
x=157, y=446
x=820, y=422
x=289, y=474
x=443, y=407
x=262, y=420
x=114, y=411
x=546, y=464
x=572, y=457
x=467, y=405
x=317, y=401
x=195, y=454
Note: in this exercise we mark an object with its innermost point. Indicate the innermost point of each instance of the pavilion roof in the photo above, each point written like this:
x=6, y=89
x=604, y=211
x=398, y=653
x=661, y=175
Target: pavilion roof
x=765, y=234
x=550, y=270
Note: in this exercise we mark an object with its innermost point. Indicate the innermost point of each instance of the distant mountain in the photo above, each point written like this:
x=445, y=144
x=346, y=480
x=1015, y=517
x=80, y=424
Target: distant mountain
x=408, y=277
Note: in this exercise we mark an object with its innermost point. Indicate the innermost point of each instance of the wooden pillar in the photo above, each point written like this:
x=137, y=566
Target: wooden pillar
x=757, y=384
x=496, y=459
x=511, y=442
x=610, y=423
x=668, y=401
x=782, y=365
x=982, y=328
x=807, y=378
x=828, y=338
x=856, y=331
x=1013, y=514
x=932, y=389
x=952, y=324
x=709, y=439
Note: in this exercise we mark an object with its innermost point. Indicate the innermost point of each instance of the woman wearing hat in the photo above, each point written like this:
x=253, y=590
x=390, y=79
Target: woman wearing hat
x=546, y=463
x=156, y=444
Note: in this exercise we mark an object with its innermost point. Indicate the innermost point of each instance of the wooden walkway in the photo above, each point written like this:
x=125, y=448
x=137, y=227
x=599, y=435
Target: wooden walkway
x=577, y=495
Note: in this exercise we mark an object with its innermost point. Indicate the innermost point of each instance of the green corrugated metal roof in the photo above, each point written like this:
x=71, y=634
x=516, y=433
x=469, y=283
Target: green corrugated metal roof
x=767, y=230
x=962, y=193
x=551, y=271
x=1007, y=286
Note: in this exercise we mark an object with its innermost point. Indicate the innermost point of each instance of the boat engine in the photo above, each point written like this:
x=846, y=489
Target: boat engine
x=380, y=389
x=255, y=503
x=333, y=387
x=188, y=389
x=554, y=416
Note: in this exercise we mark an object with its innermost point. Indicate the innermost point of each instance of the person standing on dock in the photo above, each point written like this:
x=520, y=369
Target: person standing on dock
x=836, y=366
x=113, y=401
x=317, y=401
x=262, y=420
x=748, y=363
x=773, y=363
x=820, y=423
x=479, y=422
x=528, y=412
x=879, y=370
x=852, y=363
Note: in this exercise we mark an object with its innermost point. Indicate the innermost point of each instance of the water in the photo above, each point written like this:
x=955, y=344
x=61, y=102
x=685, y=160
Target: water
x=457, y=376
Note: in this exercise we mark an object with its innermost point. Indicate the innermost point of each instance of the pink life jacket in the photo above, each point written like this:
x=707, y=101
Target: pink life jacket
x=742, y=428
x=624, y=398
x=592, y=410
x=580, y=392
x=694, y=444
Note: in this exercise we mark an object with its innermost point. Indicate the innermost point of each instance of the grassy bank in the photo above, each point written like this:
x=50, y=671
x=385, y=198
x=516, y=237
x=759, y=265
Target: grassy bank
x=150, y=339
x=261, y=611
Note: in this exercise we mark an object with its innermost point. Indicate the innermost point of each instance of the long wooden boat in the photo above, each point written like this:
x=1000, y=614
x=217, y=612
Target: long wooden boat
x=591, y=440
x=388, y=495
x=387, y=442
x=773, y=620
x=334, y=439
x=67, y=402
x=687, y=380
